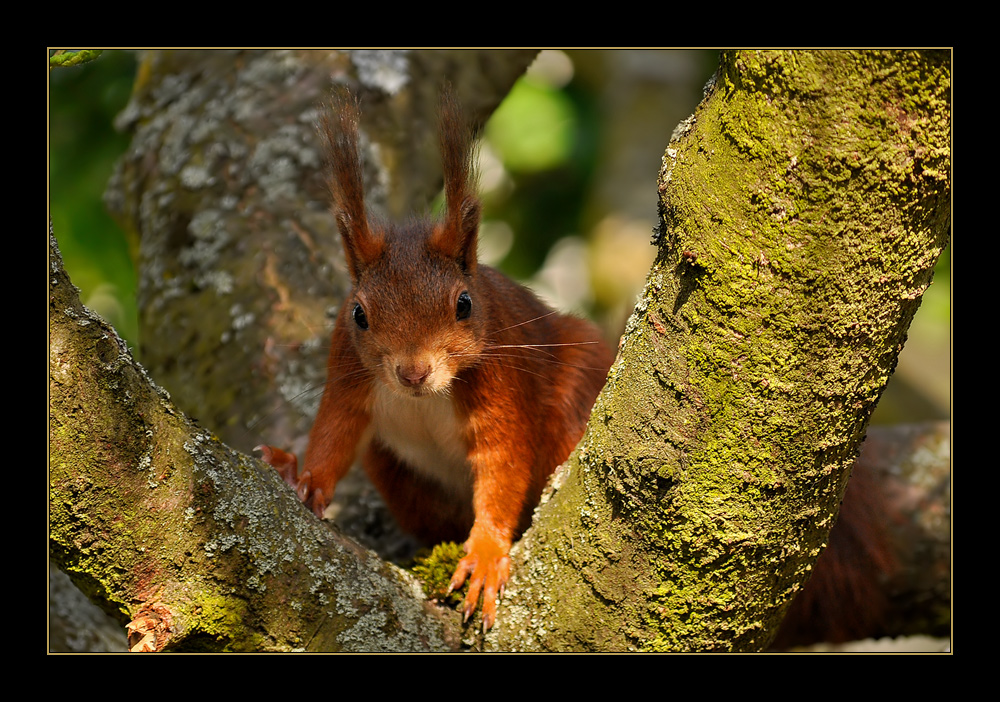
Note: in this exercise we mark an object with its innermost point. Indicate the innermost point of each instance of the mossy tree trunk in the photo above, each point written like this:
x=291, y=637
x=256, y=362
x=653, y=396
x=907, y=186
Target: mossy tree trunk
x=804, y=205
x=803, y=208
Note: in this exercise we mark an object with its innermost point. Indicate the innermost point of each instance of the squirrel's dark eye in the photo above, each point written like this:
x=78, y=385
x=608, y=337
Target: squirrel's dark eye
x=464, y=307
x=359, y=316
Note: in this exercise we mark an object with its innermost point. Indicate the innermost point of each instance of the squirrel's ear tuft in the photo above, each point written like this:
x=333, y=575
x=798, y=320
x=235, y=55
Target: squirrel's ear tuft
x=457, y=238
x=339, y=130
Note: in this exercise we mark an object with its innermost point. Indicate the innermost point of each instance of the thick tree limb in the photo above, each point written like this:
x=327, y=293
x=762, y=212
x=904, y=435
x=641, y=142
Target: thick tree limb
x=193, y=544
x=804, y=205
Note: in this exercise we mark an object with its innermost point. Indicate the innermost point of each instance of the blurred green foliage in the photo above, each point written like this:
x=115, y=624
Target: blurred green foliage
x=83, y=147
x=547, y=140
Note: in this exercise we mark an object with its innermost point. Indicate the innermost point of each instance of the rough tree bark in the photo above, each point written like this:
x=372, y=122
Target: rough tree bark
x=198, y=547
x=804, y=205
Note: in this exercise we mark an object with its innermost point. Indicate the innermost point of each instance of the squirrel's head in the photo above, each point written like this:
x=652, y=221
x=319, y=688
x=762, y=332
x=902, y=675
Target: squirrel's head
x=414, y=311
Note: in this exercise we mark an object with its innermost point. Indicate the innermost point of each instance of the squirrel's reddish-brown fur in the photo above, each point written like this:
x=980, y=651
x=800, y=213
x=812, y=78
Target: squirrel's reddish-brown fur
x=846, y=598
x=460, y=391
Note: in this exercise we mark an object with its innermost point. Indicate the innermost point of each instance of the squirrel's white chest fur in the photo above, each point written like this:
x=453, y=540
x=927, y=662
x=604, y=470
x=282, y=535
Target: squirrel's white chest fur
x=424, y=433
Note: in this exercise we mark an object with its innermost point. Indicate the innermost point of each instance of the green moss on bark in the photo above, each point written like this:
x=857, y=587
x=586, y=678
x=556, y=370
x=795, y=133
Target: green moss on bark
x=803, y=207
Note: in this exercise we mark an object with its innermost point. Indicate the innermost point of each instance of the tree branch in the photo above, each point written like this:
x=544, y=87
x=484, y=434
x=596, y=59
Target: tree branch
x=190, y=542
x=804, y=205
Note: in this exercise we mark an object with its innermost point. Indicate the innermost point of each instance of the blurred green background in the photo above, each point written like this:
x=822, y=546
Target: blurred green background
x=581, y=241
x=83, y=147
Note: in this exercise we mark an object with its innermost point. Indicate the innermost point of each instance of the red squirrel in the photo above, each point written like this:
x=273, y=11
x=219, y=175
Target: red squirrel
x=459, y=389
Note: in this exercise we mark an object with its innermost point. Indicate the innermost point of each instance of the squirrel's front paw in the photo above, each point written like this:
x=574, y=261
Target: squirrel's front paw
x=489, y=567
x=285, y=463
x=287, y=466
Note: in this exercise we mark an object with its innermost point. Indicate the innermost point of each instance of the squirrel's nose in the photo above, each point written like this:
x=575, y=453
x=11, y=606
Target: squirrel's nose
x=413, y=375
